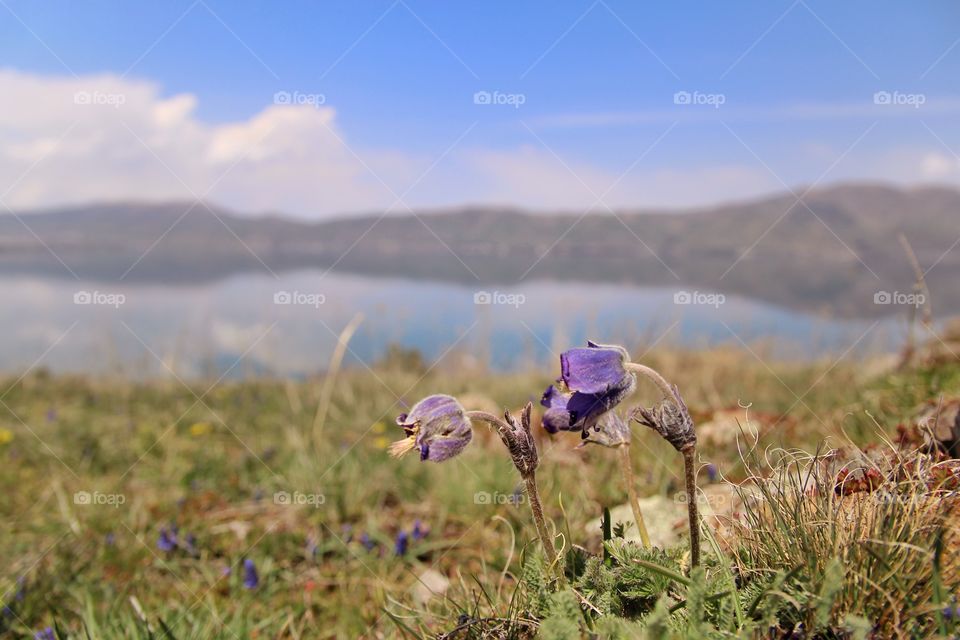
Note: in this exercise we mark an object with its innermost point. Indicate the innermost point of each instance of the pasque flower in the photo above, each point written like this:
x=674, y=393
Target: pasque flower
x=440, y=428
x=437, y=427
x=595, y=379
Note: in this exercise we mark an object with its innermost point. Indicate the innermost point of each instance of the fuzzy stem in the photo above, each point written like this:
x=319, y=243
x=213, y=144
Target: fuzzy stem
x=651, y=375
x=690, y=474
x=626, y=469
x=533, y=495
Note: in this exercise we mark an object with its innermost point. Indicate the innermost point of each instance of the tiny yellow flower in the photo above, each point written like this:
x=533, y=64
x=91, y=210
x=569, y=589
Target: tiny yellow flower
x=5, y=436
x=381, y=442
x=198, y=429
x=379, y=427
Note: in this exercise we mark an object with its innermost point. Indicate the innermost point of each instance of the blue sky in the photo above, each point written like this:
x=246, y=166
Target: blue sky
x=596, y=80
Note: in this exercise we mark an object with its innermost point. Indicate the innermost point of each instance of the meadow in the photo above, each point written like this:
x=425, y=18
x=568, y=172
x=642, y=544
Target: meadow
x=269, y=508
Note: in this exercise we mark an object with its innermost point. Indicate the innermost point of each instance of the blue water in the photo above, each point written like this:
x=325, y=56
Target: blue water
x=234, y=326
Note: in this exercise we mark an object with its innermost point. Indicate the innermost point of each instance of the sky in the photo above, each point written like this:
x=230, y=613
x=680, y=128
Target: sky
x=319, y=109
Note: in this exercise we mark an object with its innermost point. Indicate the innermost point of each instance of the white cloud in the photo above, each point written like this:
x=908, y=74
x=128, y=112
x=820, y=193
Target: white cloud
x=66, y=140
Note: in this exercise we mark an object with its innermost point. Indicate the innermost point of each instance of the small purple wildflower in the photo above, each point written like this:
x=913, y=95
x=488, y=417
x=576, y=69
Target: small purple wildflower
x=226, y=572
x=45, y=634
x=401, y=544
x=251, y=580
x=21, y=589
x=110, y=539
x=367, y=543
x=712, y=472
x=167, y=541
x=418, y=532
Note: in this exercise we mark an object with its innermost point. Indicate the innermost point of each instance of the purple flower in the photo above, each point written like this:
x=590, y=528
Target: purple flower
x=45, y=634
x=596, y=381
x=437, y=426
x=712, y=472
x=167, y=541
x=401, y=543
x=367, y=543
x=251, y=580
x=418, y=533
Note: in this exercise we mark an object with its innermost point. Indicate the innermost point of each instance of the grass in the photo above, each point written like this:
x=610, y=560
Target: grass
x=211, y=459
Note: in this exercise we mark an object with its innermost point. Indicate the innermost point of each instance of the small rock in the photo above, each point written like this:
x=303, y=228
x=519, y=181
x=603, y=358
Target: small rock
x=430, y=583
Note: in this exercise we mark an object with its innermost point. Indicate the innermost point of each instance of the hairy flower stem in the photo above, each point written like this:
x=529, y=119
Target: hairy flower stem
x=525, y=460
x=626, y=468
x=690, y=475
x=651, y=375
x=533, y=496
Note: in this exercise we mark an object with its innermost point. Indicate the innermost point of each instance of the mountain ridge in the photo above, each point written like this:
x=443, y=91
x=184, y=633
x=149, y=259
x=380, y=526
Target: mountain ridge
x=830, y=252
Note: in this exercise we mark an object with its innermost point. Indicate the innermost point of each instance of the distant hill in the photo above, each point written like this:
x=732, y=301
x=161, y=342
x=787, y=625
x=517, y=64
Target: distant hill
x=785, y=253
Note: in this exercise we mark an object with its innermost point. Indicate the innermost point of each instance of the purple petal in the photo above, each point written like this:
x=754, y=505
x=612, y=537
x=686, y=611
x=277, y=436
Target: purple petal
x=594, y=369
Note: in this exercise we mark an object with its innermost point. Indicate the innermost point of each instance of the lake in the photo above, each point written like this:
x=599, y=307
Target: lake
x=288, y=325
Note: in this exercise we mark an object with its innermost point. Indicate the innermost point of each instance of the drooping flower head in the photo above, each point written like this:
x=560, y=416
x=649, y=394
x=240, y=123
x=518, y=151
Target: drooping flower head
x=596, y=380
x=437, y=427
